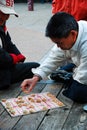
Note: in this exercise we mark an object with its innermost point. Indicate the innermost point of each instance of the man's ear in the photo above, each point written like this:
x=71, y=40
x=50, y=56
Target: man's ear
x=74, y=34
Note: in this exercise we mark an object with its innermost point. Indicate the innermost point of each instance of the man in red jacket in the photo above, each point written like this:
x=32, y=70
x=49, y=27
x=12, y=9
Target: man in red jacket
x=12, y=68
x=77, y=8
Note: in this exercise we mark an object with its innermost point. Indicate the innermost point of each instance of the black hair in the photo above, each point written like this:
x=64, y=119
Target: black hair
x=60, y=25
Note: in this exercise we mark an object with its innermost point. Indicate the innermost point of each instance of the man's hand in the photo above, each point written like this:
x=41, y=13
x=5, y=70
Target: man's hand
x=28, y=84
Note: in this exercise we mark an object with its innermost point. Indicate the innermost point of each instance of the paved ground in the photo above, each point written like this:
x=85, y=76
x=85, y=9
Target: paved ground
x=28, y=31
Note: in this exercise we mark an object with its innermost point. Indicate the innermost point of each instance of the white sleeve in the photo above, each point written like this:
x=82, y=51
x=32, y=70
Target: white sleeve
x=80, y=73
x=54, y=59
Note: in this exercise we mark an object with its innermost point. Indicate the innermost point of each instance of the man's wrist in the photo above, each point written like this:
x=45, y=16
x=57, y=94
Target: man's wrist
x=38, y=77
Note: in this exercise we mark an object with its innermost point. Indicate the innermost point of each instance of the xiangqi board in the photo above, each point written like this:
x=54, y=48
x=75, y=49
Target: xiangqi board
x=23, y=105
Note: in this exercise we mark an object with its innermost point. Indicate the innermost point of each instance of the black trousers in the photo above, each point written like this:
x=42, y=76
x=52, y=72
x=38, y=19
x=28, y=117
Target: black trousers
x=73, y=89
x=22, y=71
x=76, y=91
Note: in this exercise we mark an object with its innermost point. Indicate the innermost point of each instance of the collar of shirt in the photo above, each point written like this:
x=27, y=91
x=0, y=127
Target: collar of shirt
x=80, y=33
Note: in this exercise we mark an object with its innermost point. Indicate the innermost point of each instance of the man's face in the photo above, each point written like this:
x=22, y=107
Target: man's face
x=66, y=43
x=3, y=18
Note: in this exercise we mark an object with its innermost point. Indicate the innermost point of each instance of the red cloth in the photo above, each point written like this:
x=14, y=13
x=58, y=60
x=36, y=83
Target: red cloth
x=77, y=8
x=17, y=58
x=21, y=58
x=5, y=28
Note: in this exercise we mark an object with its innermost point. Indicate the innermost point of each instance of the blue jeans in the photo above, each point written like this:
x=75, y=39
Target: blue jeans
x=69, y=67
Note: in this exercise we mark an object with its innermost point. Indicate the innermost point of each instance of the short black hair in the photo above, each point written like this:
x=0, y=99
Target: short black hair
x=60, y=25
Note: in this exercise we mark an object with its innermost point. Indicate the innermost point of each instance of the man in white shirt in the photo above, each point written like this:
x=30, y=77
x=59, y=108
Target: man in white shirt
x=70, y=38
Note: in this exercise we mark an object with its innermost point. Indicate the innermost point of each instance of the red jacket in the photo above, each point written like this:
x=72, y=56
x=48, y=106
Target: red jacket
x=77, y=8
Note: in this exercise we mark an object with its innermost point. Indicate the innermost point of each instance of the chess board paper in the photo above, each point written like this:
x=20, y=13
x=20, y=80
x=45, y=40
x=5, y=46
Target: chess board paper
x=23, y=105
